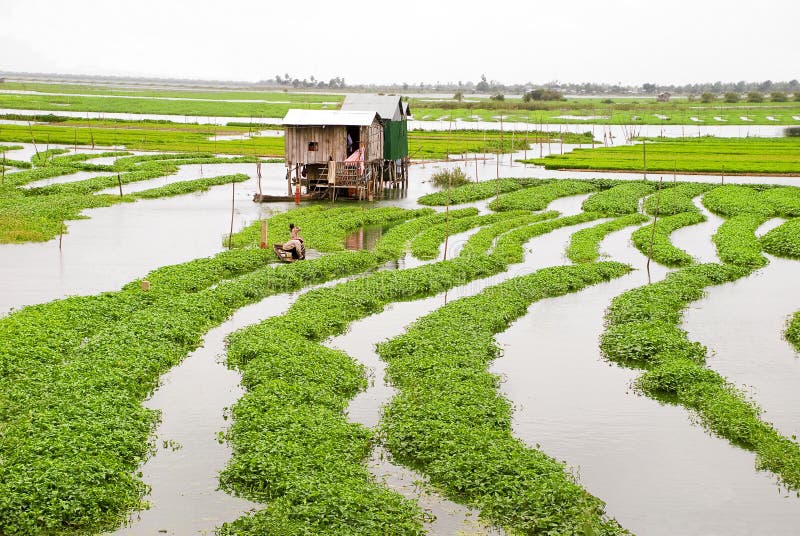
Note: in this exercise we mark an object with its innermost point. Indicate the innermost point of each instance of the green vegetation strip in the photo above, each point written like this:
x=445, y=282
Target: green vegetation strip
x=323, y=228
x=643, y=333
x=658, y=243
x=538, y=197
x=192, y=107
x=793, y=331
x=778, y=156
x=293, y=447
x=426, y=244
x=733, y=200
x=449, y=421
x=675, y=198
x=300, y=97
x=607, y=111
x=584, y=245
x=39, y=213
x=736, y=241
x=185, y=187
x=476, y=191
x=74, y=372
x=424, y=144
x=785, y=201
x=618, y=200
x=143, y=138
x=784, y=240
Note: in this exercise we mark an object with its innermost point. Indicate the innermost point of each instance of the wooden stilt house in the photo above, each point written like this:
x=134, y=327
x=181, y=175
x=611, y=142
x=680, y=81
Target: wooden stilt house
x=328, y=149
x=352, y=151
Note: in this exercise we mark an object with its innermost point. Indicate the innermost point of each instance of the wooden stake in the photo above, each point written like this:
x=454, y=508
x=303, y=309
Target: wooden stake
x=263, y=234
x=674, y=188
x=447, y=217
x=511, y=154
x=61, y=236
x=233, y=206
x=653, y=232
x=258, y=172
x=33, y=140
x=119, y=181
x=644, y=157
x=723, y=174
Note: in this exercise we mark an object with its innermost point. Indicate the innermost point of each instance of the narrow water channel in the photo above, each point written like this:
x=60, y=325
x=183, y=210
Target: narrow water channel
x=658, y=471
x=366, y=408
x=743, y=324
x=696, y=239
x=194, y=398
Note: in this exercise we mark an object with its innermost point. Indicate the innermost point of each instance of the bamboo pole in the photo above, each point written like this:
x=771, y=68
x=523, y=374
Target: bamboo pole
x=258, y=172
x=447, y=217
x=644, y=159
x=264, y=234
x=653, y=232
x=675, y=188
x=33, y=140
x=233, y=207
x=511, y=154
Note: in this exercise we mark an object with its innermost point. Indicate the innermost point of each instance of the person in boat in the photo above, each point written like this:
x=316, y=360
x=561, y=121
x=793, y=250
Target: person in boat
x=295, y=244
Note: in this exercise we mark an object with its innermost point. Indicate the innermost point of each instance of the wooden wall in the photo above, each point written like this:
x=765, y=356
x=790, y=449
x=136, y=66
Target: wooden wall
x=372, y=136
x=331, y=141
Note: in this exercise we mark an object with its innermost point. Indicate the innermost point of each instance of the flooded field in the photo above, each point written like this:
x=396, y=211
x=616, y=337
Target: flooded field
x=658, y=471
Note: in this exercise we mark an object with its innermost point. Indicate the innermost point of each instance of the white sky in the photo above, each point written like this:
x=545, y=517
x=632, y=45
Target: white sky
x=627, y=41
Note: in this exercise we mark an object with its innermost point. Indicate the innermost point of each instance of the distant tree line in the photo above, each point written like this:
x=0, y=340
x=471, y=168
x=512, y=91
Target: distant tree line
x=310, y=82
x=549, y=91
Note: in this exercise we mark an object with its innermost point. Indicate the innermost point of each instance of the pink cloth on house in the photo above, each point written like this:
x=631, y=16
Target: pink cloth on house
x=355, y=157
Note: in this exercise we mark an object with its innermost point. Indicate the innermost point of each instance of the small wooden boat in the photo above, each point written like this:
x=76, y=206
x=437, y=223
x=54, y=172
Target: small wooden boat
x=291, y=255
x=264, y=198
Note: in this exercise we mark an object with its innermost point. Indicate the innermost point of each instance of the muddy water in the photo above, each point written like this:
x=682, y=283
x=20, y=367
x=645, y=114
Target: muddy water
x=120, y=243
x=194, y=398
x=366, y=407
x=743, y=324
x=185, y=173
x=696, y=239
x=658, y=473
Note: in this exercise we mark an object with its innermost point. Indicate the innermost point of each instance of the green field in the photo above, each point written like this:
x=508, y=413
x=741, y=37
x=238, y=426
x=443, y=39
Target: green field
x=161, y=106
x=158, y=136
x=80, y=89
x=274, y=104
x=778, y=156
x=621, y=111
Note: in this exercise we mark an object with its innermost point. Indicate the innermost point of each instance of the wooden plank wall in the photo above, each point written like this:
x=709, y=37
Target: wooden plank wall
x=331, y=140
x=372, y=136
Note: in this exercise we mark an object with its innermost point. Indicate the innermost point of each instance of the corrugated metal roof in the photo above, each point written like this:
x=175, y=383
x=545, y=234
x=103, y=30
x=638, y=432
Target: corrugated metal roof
x=386, y=106
x=328, y=118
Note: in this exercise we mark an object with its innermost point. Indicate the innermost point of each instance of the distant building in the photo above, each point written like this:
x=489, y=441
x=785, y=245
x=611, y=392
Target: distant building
x=664, y=97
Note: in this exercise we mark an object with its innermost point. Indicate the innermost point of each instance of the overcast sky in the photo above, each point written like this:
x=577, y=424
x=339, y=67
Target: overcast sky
x=627, y=41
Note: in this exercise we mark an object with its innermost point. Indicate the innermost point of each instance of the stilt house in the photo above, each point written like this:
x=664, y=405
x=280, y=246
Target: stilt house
x=356, y=148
